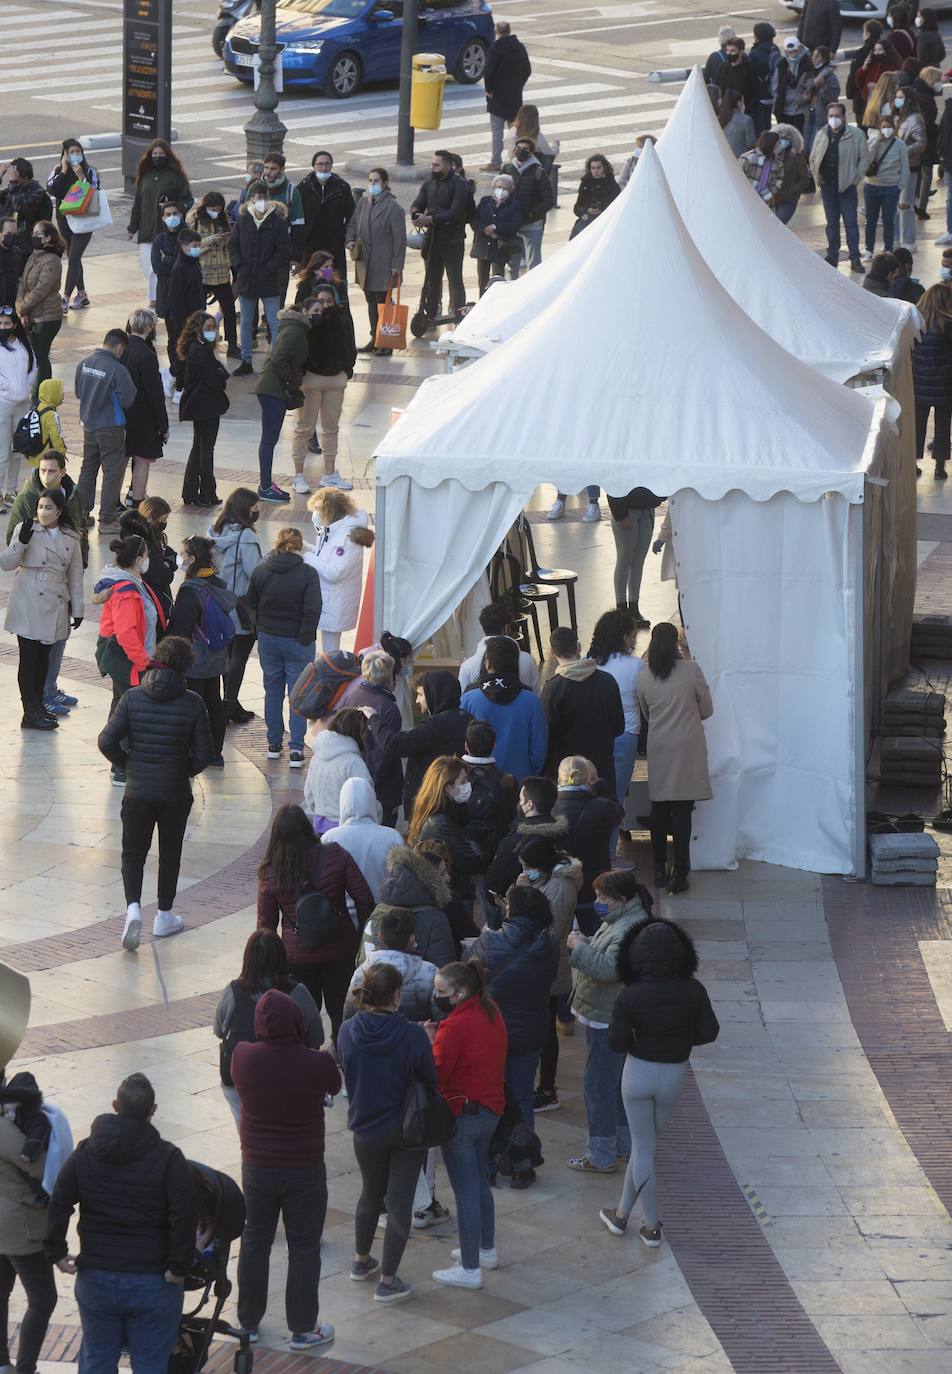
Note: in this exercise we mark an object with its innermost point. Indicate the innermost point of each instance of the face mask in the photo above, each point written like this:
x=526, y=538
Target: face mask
x=260, y=206
x=945, y=273
x=182, y=561
x=212, y=214
x=601, y=909
x=9, y=240
x=500, y=193
x=835, y=121
x=445, y=1004
x=783, y=144
x=890, y=21
x=48, y=517
x=636, y=154
x=173, y=221
x=193, y=251
x=76, y=159
x=938, y=88
x=326, y=273
x=533, y=874
x=254, y=516
x=209, y=335
x=733, y=57
x=37, y=242
x=461, y=791
x=919, y=21
x=522, y=154
x=322, y=176
x=316, y=521
x=886, y=108
x=900, y=101
x=886, y=131
x=879, y=52
x=159, y=159
x=375, y=188
x=5, y=331
x=144, y=566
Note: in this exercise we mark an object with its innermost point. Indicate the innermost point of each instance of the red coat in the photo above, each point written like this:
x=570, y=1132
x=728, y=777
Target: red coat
x=339, y=875
x=470, y=1056
x=123, y=615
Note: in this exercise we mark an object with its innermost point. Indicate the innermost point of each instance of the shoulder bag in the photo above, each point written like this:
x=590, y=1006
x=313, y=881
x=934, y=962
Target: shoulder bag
x=316, y=920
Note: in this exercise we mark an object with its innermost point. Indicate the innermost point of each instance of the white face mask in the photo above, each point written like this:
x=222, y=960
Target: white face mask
x=887, y=131
x=212, y=213
x=316, y=521
x=322, y=176
x=938, y=88
x=919, y=21
x=835, y=121
x=260, y=206
x=182, y=561
x=460, y=791
x=500, y=193
x=144, y=567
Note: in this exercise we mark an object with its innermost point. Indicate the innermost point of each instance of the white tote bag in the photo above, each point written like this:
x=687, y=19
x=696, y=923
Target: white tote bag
x=87, y=224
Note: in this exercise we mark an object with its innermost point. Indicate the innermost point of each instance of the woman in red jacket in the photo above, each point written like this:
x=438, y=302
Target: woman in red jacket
x=296, y=861
x=469, y=1049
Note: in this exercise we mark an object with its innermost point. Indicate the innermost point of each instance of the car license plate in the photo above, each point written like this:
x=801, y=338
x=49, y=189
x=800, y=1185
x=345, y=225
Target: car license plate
x=243, y=59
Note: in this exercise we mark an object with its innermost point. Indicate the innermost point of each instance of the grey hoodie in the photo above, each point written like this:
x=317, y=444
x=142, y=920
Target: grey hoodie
x=236, y=553
x=104, y=389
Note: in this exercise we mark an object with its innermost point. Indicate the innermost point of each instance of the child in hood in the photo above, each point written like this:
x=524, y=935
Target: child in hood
x=49, y=399
x=343, y=532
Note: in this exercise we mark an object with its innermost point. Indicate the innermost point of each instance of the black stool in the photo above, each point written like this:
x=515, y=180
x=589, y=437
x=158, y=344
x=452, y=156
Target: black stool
x=548, y=577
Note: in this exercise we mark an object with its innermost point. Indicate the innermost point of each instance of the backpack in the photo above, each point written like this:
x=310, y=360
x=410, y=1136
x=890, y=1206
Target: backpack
x=483, y=809
x=316, y=920
x=321, y=685
x=215, y=630
x=242, y=1029
x=28, y=436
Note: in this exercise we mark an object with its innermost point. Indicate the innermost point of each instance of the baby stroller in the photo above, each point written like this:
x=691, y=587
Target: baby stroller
x=220, y=1209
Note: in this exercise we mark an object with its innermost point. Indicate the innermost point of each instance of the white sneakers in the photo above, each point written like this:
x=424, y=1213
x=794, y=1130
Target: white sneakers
x=301, y=485
x=458, y=1277
x=943, y=238
x=132, y=929
x=556, y=510
x=488, y=1259
x=334, y=479
x=166, y=924
x=592, y=514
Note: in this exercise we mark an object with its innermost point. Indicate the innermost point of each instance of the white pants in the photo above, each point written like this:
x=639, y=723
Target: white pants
x=330, y=641
x=10, y=415
x=145, y=263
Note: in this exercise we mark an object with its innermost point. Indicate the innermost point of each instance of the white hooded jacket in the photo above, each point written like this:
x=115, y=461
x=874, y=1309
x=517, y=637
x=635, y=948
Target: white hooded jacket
x=339, y=560
x=361, y=834
x=335, y=759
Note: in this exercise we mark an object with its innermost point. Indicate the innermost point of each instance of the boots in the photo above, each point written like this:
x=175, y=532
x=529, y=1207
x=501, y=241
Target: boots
x=940, y=472
x=35, y=718
x=236, y=714
x=639, y=619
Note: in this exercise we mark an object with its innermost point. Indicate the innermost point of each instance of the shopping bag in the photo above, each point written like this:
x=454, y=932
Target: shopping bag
x=392, y=322
x=91, y=221
x=77, y=199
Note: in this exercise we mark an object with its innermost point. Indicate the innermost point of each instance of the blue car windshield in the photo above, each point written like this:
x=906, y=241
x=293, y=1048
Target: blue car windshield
x=333, y=9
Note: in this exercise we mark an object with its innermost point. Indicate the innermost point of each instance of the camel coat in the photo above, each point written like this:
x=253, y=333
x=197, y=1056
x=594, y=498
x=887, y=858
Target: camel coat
x=677, y=749
x=378, y=225
x=48, y=587
x=38, y=296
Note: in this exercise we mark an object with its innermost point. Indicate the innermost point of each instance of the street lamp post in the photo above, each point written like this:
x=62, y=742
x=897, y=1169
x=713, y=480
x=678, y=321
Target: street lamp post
x=407, y=46
x=264, y=132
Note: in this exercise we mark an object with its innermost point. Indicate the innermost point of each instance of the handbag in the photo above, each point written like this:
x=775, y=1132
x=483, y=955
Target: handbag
x=245, y=613
x=426, y=1120
x=112, y=661
x=79, y=199
x=90, y=221
x=392, y=322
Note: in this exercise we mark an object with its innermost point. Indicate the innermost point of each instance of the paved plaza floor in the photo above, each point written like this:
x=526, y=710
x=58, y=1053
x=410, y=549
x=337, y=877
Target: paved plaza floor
x=806, y=1179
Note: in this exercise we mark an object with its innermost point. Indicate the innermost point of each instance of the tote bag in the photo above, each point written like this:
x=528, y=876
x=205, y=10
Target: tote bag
x=392, y=322
x=88, y=223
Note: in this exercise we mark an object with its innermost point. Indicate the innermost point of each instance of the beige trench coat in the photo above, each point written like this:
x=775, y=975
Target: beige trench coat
x=378, y=224
x=48, y=587
x=677, y=749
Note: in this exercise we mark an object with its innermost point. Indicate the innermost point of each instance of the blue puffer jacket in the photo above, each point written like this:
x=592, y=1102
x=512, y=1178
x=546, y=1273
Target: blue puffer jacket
x=932, y=368
x=521, y=962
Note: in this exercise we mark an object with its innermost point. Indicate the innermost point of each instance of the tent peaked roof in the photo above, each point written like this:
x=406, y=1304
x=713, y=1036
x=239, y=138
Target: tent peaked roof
x=643, y=372
x=816, y=312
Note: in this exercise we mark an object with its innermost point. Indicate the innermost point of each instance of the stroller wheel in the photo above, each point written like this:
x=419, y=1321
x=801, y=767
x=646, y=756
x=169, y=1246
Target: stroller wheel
x=419, y=324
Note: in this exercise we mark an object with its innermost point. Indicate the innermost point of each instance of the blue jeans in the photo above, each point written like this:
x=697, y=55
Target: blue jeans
x=785, y=213
x=836, y=204
x=466, y=1157
x=608, y=1133
x=520, y=1078
x=136, y=1312
x=531, y=237
x=57, y=651
x=623, y=750
x=283, y=660
x=273, y=411
x=269, y=305
x=880, y=200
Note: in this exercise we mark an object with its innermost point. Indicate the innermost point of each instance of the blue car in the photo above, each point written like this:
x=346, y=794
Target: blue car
x=334, y=45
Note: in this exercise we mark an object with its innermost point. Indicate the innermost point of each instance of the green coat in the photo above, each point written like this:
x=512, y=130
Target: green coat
x=596, y=964
x=285, y=366
x=27, y=499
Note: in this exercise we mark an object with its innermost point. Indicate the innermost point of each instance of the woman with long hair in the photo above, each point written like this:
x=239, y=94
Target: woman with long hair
x=190, y=616
x=204, y=403
x=279, y=382
x=879, y=102
x=439, y=813
x=526, y=125
x=295, y=862
x=17, y=374
x=379, y=226
x=673, y=694
x=342, y=532
x=469, y=1050
x=159, y=177
x=337, y=753
x=613, y=649
x=381, y=1053
x=237, y=553
x=762, y=166
x=264, y=965
x=660, y=1014
x=317, y=271
x=45, y=599
x=330, y=355
x=932, y=374
x=132, y=616
x=911, y=129
x=71, y=168
x=596, y=191
x=147, y=419
x=737, y=124
x=150, y=520
x=38, y=296
x=209, y=221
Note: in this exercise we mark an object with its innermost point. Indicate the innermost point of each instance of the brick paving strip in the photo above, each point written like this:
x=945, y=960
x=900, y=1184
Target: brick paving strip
x=727, y=1262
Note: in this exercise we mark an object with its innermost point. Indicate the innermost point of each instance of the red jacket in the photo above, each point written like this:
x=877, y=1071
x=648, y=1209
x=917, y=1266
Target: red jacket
x=123, y=615
x=470, y=1055
x=339, y=875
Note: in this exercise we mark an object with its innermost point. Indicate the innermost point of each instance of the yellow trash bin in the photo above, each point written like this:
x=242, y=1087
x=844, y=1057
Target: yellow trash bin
x=426, y=90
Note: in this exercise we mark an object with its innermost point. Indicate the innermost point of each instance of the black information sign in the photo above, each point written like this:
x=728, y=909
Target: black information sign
x=146, y=76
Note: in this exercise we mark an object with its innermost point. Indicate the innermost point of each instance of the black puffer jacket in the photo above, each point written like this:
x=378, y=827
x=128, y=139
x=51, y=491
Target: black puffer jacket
x=328, y=206
x=417, y=885
x=932, y=366
x=591, y=820
x=285, y=594
x=445, y=200
x=442, y=732
x=663, y=1011
x=449, y=827
x=505, y=867
x=331, y=347
x=136, y=1214
x=261, y=253
x=159, y=734
x=521, y=962
x=162, y=564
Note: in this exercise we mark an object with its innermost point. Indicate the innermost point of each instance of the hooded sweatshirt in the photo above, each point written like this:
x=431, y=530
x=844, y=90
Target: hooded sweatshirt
x=516, y=715
x=380, y=1053
x=49, y=399
x=361, y=834
x=334, y=759
x=585, y=714
x=281, y=1086
x=236, y=553
x=134, y=623
x=136, y=1214
x=443, y=731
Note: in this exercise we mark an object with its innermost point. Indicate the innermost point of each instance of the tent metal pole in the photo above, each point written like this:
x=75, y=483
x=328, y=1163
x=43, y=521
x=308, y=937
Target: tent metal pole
x=856, y=518
x=380, y=547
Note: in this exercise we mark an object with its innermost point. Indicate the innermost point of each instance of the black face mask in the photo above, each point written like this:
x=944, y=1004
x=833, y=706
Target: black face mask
x=445, y=1004
x=6, y=334
x=9, y=240
x=159, y=159
x=254, y=516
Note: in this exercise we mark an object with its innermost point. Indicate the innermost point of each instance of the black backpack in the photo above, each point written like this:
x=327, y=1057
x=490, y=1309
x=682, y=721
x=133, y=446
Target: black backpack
x=242, y=1029
x=316, y=921
x=483, y=810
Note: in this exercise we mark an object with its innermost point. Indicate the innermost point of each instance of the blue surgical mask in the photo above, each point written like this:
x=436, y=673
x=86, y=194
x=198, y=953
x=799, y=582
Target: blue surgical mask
x=209, y=335
x=322, y=176
x=945, y=273
x=173, y=221
x=533, y=874
x=194, y=250
x=76, y=159
x=375, y=188
x=601, y=909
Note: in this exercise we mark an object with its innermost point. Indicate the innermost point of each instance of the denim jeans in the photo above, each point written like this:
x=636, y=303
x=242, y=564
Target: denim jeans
x=948, y=202
x=623, y=750
x=608, y=1133
x=497, y=125
x=269, y=305
x=531, y=237
x=466, y=1157
x=836, y=204
x=135, y=1312
x=283, y=660
x=785, y=213
x=520, y=1076
x=880, y=200
x=57, y=650
x=299, y=1198
x=273, y=411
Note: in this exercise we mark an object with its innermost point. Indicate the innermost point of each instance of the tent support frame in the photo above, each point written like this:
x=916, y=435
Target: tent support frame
x=856, y=520
x=380, y=522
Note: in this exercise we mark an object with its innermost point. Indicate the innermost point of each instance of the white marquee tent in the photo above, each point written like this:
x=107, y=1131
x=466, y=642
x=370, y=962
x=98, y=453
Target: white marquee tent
x=767, y=463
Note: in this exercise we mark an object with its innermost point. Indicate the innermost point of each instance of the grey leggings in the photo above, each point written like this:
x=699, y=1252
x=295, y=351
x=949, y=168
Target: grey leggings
x=631, y=549
x=650, y=1093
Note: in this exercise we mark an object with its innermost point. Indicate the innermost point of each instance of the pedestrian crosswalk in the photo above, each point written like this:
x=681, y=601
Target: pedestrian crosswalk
x=68, y=60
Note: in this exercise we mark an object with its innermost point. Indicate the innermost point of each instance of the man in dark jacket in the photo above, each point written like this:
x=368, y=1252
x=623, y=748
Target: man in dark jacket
x=328, y=205
x=281, y=1086
x=739, y=74
x=12, y=259
x=185, y=295
x=23, y=199
x=534, y=817
x=535, y=196
x=260, y=253
x=440, y=206
x=507, y=70
x=442, y=732
x=105, y=392
x=583, y=707
x=764, y=58
x=158, y=734
x=285, y=595
x=592, y=815
x=821, y=25
x=136, y=1229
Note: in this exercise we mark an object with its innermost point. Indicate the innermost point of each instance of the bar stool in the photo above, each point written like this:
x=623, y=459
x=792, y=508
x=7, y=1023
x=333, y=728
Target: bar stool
x=548, y=577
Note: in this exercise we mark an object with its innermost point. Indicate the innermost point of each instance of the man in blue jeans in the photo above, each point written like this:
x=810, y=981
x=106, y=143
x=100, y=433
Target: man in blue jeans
x=838, y=160
x=137, y=1234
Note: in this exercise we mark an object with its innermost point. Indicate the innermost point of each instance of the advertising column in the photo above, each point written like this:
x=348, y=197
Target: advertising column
x=146, y=78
